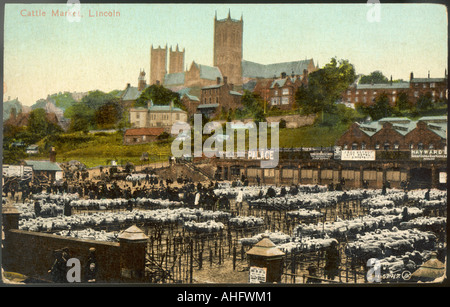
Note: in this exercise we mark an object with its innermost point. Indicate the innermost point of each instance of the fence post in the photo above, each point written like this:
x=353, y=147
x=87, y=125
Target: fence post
x=234, y=258
x=133, y=244
x=191, y=263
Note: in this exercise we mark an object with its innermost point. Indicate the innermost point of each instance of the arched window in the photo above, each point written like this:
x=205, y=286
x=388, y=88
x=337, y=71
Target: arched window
x=420, y=146
x=377, y=146
x=354, y=146
x=396, y=145
x=386, y=146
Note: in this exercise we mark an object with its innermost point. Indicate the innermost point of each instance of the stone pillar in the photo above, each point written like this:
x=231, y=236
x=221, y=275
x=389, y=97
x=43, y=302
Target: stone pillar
x=266, y=262
x=10, y=221
x=133, y=245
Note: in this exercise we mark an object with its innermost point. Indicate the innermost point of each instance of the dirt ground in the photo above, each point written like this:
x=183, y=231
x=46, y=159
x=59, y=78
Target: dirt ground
x=223, y=274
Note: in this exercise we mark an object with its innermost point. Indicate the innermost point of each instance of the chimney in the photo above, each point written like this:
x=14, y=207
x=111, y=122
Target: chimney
x=428, y=74
x=411, y=76
x=390, y=80
x=225, y=80
x=53, y=155
x=128, y=85
x=218, y=80
x=283, y=75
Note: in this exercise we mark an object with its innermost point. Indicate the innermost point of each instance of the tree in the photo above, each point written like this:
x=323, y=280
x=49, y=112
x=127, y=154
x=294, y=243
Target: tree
x=424, y=102
x=159, y=95
x=379, y=109
x=108, y=115
x=325, y=87
x=374, y=77
x=402, y=102
x=40, y=126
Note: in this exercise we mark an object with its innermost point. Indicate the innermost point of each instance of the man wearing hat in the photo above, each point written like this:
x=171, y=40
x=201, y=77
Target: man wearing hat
x=91, y=266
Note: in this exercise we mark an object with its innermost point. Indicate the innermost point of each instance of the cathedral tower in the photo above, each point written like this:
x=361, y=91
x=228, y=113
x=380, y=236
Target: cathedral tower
x=228, y=48
x=176, y=61
x=158, y=64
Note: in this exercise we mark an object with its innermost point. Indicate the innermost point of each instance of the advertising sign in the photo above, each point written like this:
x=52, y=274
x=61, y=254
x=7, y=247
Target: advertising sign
x=358, y=155
x=257, y=275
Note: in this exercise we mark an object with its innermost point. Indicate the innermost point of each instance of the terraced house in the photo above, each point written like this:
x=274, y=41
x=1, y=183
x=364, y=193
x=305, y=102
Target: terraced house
x=414, y=88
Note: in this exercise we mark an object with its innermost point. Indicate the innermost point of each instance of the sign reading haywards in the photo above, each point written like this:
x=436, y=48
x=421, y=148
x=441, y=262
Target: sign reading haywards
x=429, y=154
x=358, y=155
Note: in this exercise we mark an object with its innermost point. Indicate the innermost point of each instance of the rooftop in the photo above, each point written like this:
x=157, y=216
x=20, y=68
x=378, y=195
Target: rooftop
x=43, y=165
x=256, y=70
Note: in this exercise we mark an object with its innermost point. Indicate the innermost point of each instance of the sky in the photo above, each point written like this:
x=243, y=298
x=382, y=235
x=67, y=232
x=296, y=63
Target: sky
x=48, y=54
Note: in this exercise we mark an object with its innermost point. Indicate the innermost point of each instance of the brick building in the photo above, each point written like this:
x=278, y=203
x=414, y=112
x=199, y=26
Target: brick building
x=141, y=135
x=218, y=97
x=414, y=88
x=396, y=134
x=437, y=87
x=366, y=93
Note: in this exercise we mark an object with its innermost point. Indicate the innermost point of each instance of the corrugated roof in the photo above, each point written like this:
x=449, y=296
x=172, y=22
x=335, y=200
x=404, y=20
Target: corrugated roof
x=256, y=70
x=174, y=78
x=144, y=131
x=42, y=165
x=432, y=118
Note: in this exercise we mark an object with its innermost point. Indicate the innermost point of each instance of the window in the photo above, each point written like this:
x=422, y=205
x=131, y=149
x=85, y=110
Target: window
x=356, y=99
x=363, y=145
x=285, y=91
x=431, y=146
x=411, y=146
x=178, y=117
x=424, y=85
x=357, y=92
x=416, y=84
x=416, y=94
x=386, y=146
x=345, y=147
x=394, y=92
x=137, y=115
x=354, y=146
x=364, y=99
x=377, y=146
x=420, y=146
x=396, y=145
x=275, y=92
x=374, y=92
x=393, y=98
x=217, y=99
x=365, y=92
x=432, y=85
x=348, y=92
x=284, y=100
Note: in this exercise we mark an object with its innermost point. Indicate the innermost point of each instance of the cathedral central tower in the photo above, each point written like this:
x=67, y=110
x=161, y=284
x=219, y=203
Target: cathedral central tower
x=228, y=48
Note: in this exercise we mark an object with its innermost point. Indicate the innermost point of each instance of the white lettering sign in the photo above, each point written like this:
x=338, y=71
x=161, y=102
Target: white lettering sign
x=358, y=155
x=257, y=275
